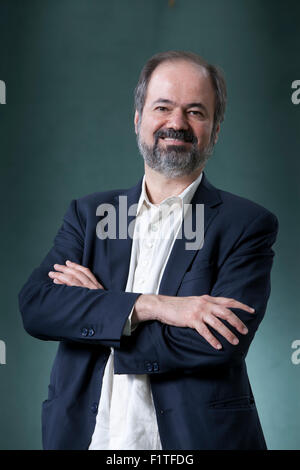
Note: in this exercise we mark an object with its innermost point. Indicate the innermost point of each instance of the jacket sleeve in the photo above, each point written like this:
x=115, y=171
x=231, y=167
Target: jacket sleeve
x=58, y=312
x=244, y=276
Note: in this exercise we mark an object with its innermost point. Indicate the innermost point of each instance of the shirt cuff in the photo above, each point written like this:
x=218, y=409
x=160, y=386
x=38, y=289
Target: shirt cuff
x=128, y=329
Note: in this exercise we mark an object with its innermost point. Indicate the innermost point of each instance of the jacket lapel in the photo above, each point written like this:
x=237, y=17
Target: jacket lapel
x=119, y=249
x=181, y=257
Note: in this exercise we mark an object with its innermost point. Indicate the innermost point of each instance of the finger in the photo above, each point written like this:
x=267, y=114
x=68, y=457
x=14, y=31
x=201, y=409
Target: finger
x=64, y=279
x=85, y=281
x=232, y=303
x=206, y=334
x=221, y=328
x=230, y=317
x=84, y=270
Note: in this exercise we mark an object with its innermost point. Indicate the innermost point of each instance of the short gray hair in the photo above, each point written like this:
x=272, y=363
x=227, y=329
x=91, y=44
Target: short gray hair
x=215, y=73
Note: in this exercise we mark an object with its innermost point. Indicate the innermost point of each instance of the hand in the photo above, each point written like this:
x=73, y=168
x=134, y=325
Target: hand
x=74, y=274
x=196, y=312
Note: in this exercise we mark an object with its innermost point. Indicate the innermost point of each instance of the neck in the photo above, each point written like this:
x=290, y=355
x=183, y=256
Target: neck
x=159, y=187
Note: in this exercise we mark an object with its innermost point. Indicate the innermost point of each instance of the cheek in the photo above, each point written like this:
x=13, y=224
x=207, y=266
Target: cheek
x=203, y=132
x=148, y=129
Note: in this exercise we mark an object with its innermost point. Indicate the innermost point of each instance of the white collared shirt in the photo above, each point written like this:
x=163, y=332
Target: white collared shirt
x=126, y=418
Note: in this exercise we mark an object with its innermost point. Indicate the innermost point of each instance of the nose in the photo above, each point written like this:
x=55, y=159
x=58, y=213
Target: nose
x=177, y=120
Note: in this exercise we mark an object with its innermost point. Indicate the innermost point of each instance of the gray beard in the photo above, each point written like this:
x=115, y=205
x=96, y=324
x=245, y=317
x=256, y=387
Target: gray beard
x=174, y=161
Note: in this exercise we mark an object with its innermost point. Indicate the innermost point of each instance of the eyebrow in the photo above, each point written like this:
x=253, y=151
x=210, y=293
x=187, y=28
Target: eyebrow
x=189, y=105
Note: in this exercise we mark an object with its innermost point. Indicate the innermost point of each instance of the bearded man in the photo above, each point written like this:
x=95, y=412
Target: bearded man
x=153, y=331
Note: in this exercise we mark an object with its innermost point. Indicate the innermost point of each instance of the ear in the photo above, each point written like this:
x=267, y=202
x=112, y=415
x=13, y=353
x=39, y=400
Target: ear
x=217, y=133
x=136, y=118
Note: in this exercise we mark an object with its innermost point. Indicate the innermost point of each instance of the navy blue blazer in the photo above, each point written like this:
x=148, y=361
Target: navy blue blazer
x=202, y=396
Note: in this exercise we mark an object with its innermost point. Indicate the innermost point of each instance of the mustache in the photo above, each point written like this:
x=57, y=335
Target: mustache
x=182, y=134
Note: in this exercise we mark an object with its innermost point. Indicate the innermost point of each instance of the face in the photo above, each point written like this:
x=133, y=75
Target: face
x=175, y=129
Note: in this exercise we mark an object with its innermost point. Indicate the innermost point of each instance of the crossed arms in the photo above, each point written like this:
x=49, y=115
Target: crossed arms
x=173, y=331
x=191, y=312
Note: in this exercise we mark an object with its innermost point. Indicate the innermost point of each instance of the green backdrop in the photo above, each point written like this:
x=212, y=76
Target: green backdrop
x=70, y=67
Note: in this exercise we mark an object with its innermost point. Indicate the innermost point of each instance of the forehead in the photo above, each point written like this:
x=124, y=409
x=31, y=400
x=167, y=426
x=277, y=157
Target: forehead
x=182, y=82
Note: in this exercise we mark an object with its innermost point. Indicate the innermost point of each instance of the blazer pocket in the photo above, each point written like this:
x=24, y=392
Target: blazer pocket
x=244, y=402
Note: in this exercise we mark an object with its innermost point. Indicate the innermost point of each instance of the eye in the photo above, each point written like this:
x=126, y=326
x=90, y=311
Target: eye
x=196, y=113
x=161, y=108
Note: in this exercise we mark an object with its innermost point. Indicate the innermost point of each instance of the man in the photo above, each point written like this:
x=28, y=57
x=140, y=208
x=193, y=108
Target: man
x=154, y=332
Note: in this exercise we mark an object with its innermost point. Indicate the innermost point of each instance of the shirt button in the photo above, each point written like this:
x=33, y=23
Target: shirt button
x=154, y=227
x=91, y=332
x=155, y=366
x=84, y=332
x=148, y=242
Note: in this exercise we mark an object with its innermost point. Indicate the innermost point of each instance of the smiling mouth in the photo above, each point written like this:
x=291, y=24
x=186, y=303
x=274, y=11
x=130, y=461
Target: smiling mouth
x=169, y=140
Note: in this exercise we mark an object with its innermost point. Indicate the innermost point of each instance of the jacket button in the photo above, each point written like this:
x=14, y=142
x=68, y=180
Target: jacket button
x=84, y=332
x=94, y=407
x=91, y=332
x=149, y=367
x=155, y=366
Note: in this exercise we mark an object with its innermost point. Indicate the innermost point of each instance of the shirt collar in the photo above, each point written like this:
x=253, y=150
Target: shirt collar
x=184, y=197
